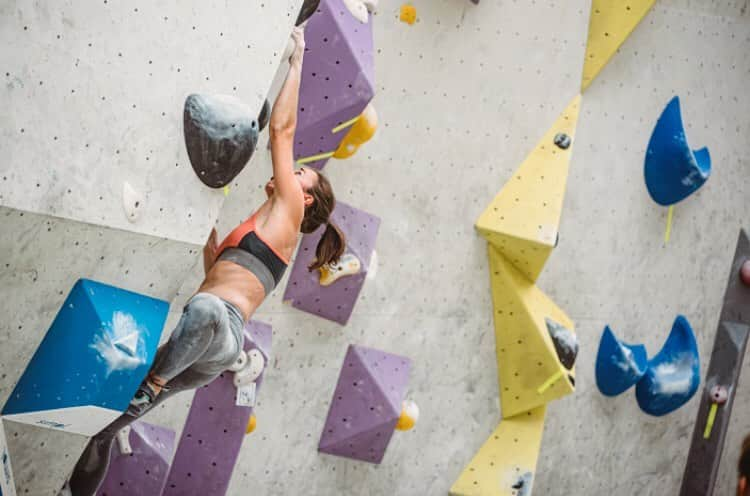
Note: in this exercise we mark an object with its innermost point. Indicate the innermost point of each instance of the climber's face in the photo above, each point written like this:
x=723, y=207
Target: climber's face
x=307, y=179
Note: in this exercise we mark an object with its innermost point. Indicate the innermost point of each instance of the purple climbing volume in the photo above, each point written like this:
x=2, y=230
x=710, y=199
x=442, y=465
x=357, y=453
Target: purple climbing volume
x=145, y=470
x=366, y=404
x=338, y=79
x=214, y=430
x=334, y=302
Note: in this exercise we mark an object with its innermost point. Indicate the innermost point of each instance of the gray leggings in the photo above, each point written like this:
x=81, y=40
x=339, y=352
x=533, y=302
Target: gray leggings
x=207, y=341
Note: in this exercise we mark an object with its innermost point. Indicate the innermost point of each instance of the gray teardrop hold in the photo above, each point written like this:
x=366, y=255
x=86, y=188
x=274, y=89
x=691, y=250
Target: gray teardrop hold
x=220, y=135
x=308, y=9
x=566, y=343
x=265, y=115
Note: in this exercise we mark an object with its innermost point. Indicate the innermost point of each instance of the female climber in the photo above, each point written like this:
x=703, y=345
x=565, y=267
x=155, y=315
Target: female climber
x=240, y=273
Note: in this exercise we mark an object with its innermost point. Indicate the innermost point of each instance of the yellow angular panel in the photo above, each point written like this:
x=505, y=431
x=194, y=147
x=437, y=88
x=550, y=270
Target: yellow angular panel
x=529, y=371
x=506, y=464
x=610, y=24
x=523, y=219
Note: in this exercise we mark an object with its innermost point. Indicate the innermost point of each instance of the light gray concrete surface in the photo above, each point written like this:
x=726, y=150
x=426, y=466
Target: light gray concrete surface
x=93, y=97
x=462, y=97
x=42, y=257
x=612, y=266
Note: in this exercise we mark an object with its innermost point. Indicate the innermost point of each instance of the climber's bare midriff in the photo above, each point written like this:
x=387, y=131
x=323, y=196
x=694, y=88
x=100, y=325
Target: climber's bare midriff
x=235, y=284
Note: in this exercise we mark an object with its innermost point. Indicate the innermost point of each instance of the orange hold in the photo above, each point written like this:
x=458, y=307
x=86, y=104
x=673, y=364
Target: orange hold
x=409, y=416
x=251, y=424
x=362, y=131
x=408, y=14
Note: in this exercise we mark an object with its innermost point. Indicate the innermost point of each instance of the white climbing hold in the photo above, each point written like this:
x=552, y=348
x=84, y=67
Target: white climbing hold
x=372, y=269
x=358, y=9
x=123, y=440
x=252, y=369
x=347, y=266
x=411, y=409
x=240, y=363
x=128, y=343
x=132, y=201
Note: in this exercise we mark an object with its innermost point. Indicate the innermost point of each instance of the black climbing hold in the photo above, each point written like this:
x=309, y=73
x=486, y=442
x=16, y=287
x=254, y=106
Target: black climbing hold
x=523, y=485
x=566, y=343
x=220, y=135
x=562, y=141
x=265, y=115
x=557, y=239
x=308, y=8
x=572, y=380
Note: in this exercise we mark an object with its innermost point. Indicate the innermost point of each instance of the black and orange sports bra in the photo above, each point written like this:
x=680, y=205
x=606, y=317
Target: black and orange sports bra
x=245, y=247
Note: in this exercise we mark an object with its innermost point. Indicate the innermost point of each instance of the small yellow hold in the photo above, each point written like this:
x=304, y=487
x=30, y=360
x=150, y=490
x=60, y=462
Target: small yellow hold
x=361, y=132
x=226, y=190
x=251, y=424
x=409, y=416
x=408, y=14
x=710, y=421
x=345, y=150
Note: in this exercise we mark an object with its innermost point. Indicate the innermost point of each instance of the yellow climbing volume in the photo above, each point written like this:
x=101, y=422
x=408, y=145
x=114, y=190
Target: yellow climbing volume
x=529, y=372
x=506, y=464
x=523, y=219
x=610, y=24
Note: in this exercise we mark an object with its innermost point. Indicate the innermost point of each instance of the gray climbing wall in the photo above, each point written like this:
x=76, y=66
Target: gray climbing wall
x=92, y=99
x=462, y=97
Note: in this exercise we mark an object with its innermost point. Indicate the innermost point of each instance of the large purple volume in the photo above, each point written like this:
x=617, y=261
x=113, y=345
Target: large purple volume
x=366, y=404
x=145, y=471
x=214, y=430
x=334, y=302
x=338, y=79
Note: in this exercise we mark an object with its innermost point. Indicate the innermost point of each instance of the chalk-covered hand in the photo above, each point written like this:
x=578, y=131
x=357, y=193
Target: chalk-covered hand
x=298, y=36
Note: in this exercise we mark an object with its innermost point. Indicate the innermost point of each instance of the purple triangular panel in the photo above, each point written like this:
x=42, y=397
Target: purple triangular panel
x=214, y=431
x=390, y=372
x=261, y=333
x=338, y=78
x=334, y=302
x=368, y=446
x=145, y=471
x=358, y=404
x=360, y=38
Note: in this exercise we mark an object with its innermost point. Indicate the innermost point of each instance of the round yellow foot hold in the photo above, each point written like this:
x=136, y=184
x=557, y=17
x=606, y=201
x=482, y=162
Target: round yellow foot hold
x=251, y=424
x=409, y=416
x=361, y=132
x=408, y=14
x=345, y=150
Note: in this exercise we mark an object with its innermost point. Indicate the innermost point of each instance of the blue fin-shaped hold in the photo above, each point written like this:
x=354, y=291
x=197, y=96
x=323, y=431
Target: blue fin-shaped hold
x=673, y=171
x=673, y=374
x=618, y=365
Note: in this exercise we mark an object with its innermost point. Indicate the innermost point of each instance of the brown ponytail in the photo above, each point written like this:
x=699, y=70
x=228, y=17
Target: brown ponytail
x=744, y=463
x=332, y=244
